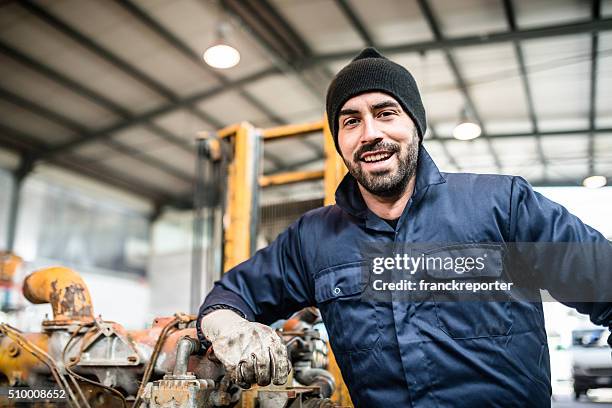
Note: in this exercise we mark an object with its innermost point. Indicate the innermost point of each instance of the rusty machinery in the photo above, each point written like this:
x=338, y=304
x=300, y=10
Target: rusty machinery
x=10, y=264
x=98, y=363
x=243, y=143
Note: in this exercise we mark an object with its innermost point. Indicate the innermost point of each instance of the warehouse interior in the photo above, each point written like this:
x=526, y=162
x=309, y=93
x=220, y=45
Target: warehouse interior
x=110, y=115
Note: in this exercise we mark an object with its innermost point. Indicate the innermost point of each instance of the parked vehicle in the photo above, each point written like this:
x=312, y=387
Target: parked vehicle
x=591, y=360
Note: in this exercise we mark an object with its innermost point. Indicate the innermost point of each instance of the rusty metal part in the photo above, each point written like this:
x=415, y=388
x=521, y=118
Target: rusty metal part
x=185, y=348
x=9, y=264
x=40, y=354
x=178, y=393
x=65, y=290
x=303, y=397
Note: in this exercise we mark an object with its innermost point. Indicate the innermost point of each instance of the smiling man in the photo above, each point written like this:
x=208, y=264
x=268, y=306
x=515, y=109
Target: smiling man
x=410, y=352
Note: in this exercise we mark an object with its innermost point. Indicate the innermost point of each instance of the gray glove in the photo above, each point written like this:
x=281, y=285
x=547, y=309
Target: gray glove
x=251, y=352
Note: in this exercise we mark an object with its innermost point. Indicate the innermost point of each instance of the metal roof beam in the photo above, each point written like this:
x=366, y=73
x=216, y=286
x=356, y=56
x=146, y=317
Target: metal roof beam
x=461, y=84
x=596, y=15
x=248, y=15
x=518, y=50
x=589, y=26
x=90, y=94
x=355, y=21
x=188, y=52
x=184, y=49
x=26, y=144
x=78, y=128
x=105, y=54
x=140, y=118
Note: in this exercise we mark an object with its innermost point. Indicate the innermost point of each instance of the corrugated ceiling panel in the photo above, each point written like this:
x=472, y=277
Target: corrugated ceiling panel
x=567, y=171
x=183, y=124
x=95, y=152
x=34, y=125
x=321, y=24
x=392, y=22
x=510, y=125
x=603, y=101
x=472, y=155
x=466, y=17
x=49, y=46
x=139, y=137
x=175, y=157
x=195, y=23
x=286, y=97
x=565, y=147
x=603, y=156
x=436, y=83
x=559, y=73
x=8, y=160
x=436, y=151
x=534, y=13
x=518, y=151
x=118, y=31
x=531, y=173
x=494, y=82
x=606, y=8
x=148, y=174
x=42, y=91
x=603, y=147
x=230, y=108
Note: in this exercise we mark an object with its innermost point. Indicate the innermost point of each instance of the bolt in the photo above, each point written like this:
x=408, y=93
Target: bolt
x=13, y=350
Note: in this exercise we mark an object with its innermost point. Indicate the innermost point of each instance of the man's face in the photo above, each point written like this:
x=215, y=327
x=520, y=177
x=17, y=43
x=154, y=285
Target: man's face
x=379, y=143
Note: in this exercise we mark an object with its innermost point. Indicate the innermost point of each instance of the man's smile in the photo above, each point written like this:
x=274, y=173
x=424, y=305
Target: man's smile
x=372, y=157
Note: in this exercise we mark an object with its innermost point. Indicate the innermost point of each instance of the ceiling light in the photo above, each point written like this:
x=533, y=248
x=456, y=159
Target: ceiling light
x=220, y=54
x=466, y=131
x=594, y=182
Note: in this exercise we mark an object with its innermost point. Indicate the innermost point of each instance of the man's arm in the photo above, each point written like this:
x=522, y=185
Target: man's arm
x=577, y=268
x=271, y=285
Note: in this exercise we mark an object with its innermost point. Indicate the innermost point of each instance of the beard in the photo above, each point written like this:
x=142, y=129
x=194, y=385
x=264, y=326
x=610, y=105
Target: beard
x=387, y=183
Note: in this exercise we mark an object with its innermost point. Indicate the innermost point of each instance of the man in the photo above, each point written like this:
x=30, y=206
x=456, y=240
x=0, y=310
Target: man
x=402, y=353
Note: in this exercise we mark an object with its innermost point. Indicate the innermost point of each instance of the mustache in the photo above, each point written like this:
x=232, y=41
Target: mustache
x=380, y=145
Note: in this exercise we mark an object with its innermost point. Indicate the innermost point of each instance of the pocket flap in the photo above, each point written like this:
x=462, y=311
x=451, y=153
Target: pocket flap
x=464, y=261
x=339, y=281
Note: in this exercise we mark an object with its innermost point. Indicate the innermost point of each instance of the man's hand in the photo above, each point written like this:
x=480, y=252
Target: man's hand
x=251, y=352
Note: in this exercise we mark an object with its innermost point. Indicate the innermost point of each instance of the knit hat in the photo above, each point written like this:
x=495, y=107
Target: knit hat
x=370, y=72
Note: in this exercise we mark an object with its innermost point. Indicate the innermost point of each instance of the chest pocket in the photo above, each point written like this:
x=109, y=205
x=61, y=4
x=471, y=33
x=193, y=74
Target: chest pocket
x=350, y=321
x=474, y=314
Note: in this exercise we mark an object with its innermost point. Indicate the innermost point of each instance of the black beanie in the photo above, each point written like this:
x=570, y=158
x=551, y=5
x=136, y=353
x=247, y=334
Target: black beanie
x=370, y=72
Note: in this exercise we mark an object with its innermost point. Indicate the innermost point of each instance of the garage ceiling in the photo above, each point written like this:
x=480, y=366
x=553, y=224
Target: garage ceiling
x=117, y=90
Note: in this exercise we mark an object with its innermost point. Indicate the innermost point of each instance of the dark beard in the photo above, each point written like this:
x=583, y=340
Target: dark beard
x=386, y=184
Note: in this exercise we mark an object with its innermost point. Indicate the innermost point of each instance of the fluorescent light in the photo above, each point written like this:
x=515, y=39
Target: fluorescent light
x=594, y=182
x=467, y=131
x=222, y=56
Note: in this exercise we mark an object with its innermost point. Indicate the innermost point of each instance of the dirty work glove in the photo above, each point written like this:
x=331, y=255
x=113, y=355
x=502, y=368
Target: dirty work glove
x=251, y=352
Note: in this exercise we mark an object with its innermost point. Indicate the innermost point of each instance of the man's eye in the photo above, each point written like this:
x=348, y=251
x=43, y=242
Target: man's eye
x=350, y=122
x=386, y=113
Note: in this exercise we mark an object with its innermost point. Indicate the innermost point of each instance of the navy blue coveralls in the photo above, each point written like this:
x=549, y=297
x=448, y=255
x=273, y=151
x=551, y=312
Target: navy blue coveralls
x=420, y=354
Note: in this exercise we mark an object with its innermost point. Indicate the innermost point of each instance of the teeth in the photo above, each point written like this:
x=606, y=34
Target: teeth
x=376, y=157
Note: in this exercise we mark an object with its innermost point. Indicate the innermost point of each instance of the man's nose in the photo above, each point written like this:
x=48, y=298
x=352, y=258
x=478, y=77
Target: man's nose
x=370, y=131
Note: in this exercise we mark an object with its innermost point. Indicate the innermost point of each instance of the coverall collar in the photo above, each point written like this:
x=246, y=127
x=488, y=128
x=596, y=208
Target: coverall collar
x=349, y=198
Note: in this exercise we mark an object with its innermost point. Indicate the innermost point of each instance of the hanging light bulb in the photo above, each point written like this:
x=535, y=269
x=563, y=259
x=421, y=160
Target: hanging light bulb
x=594, y=182
x=220, y=54
x=466, y=129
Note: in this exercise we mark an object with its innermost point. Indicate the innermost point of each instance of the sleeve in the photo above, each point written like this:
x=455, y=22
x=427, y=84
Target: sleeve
x=271, y=285
x=567, y=257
